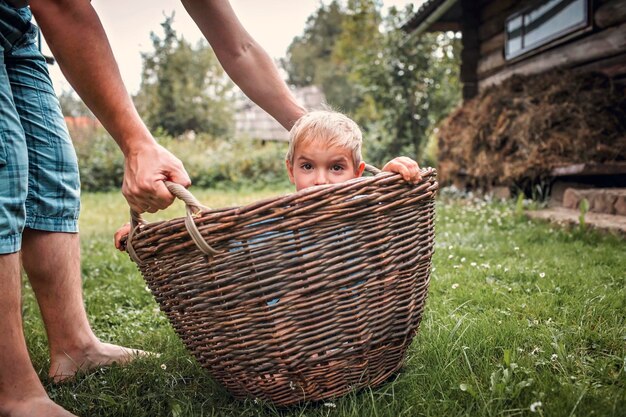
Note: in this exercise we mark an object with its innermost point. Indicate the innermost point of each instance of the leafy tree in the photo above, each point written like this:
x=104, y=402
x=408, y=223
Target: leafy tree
x=309, y=54
x=411, y=85
x=184, y=87
x=72, y=105
x=360, y=36
x=395, y=86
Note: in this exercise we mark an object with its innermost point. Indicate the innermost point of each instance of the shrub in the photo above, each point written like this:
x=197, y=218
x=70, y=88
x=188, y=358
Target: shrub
x=210, y=162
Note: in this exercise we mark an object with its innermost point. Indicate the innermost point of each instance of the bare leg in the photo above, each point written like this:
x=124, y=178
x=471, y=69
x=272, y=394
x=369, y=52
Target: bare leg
x=52, y=262
x=21, y=392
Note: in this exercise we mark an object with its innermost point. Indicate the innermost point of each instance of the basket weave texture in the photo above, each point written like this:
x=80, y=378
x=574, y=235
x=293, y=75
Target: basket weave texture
x=307, y=296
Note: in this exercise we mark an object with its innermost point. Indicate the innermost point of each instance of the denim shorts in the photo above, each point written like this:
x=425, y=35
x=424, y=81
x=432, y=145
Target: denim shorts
x=39, y=182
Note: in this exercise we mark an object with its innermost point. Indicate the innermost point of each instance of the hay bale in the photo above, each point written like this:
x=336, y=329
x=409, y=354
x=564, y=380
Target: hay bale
x=515, y=133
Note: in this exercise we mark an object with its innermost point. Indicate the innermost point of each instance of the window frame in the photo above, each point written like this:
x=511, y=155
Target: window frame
x=550, y=41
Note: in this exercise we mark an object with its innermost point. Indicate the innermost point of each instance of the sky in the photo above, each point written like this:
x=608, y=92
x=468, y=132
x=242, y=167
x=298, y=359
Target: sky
x=273, y=23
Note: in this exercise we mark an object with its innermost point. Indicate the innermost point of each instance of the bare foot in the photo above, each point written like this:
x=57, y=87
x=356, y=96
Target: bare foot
x=64, y=366
x=40, y=406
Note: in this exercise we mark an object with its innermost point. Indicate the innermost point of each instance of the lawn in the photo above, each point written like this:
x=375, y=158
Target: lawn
x=523, y=318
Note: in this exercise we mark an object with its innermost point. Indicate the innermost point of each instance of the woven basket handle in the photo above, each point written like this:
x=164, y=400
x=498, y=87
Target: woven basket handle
x=372, y=169
x=194, y=209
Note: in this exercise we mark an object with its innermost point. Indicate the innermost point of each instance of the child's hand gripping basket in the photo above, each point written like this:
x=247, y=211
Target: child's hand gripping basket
x=301, y=297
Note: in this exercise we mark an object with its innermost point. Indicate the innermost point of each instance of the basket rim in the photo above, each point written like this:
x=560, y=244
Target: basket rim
x=426, y=174
x=196, y=210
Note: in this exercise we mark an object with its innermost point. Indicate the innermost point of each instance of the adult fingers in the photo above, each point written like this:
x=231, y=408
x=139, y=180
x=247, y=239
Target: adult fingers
x=161, y=198
x=180, y=176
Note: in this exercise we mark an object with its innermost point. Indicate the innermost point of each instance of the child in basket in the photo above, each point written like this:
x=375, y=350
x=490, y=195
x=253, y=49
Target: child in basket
x=324, y=148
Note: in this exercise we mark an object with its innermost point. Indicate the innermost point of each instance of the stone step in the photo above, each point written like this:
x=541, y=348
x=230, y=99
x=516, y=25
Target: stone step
x=560, y=215
x=601, y=200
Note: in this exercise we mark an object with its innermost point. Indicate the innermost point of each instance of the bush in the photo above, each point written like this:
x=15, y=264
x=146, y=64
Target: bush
x=100, y=161
x=219, y=163
x=210, y=162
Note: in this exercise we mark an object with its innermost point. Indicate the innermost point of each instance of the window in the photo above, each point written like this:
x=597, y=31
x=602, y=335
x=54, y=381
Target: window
x=546, y=22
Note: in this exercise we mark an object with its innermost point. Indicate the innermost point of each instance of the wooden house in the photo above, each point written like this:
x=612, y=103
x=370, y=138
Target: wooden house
x=566, y=135
x=505, y=37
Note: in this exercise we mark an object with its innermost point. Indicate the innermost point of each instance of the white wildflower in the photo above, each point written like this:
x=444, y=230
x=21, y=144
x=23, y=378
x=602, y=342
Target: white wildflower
x=542, y=275
x=534, y=406
x=455, y=286
x=163, y=366
x=554, y=357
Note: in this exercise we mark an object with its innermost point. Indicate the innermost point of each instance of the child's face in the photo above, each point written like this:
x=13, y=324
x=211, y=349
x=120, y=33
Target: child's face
x=315, y=164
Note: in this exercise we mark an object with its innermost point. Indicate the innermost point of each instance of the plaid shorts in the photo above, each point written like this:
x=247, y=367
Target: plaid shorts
x=39, y=182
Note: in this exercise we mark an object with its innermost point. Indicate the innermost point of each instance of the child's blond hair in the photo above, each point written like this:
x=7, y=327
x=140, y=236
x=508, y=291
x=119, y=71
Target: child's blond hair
x=329, y=128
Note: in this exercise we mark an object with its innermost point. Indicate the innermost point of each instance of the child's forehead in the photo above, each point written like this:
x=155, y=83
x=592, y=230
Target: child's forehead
x=321, y=146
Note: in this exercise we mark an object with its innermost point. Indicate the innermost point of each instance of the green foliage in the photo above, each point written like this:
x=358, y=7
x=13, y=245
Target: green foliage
x=100, y=160
x=584, y=208
x=519, y=204
x=183, y=87
x=210, y=162
x=235, y=163
x=395, y=86
x=72, y=105
x=360, y=37
x=308, y=55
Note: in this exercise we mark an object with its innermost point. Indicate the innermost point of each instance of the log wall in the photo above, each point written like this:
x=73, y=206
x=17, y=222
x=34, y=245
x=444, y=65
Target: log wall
x=600, y=48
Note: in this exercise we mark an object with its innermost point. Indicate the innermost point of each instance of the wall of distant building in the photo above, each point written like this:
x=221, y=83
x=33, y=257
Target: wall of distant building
x=253, y=122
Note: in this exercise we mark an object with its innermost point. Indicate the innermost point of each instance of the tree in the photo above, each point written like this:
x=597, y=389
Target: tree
x=395, y=86
x=72, y=105
x=183, y=87
x=309, y=54
x=333, y=43
x=360, y=37
x=410, y=85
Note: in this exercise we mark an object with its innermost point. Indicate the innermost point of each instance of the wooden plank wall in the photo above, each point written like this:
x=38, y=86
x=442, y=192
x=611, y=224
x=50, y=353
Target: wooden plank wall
x=470, y=53
x=601, y=49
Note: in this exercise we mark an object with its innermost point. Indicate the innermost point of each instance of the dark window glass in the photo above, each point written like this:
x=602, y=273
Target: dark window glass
x=546, y=22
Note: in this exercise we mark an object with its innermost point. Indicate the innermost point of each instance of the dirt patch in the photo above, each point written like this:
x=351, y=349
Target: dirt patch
x=515, y=133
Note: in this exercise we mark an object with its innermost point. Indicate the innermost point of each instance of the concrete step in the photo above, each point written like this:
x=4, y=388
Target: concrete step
x=601, y=200
x=560, y=215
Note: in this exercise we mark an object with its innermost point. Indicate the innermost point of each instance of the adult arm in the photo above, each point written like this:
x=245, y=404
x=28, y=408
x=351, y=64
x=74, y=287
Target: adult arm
x=244, y=60
x=77, y=39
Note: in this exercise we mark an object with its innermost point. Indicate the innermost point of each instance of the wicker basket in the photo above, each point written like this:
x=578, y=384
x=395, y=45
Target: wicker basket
x=301, y=297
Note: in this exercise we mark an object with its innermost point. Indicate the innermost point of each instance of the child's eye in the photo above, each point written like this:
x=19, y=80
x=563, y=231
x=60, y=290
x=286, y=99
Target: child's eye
x=337, y=167
x=306, y=166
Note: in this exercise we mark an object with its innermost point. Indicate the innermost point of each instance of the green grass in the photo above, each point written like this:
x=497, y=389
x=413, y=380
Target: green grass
x=519, y=313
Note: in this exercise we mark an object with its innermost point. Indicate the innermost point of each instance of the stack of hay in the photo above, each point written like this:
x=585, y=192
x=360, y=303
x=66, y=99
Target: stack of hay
x=515, y=133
